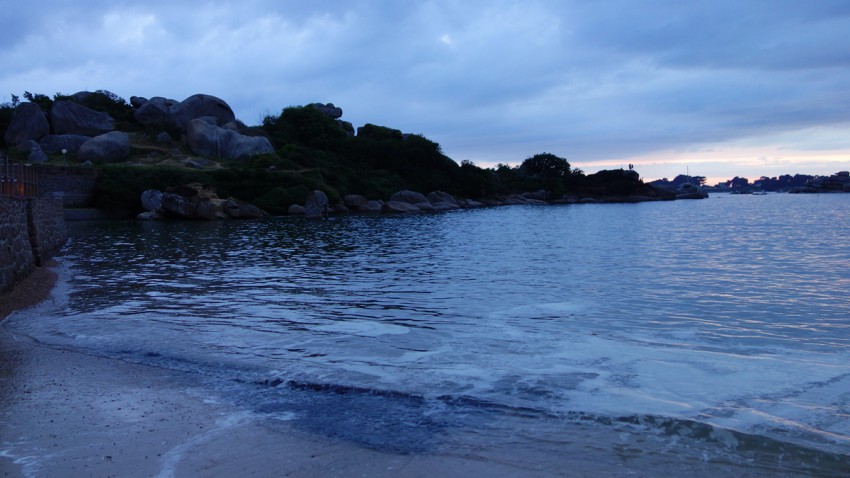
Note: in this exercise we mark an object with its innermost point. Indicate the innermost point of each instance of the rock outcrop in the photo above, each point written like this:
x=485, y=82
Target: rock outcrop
x=106, y=148
x=207, y=139
x=67, y=117
x=195, y=202
x=155, y=111
x=398, y=207
x=838, y=182
x=28, y=123
x=328, y=109
x=316, y=205
x=410, y=197
x=169, y=113
x=200, y=105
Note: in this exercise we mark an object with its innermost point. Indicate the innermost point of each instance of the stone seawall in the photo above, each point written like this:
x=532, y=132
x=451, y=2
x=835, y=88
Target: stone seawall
x=74, y=185
x=31, y=232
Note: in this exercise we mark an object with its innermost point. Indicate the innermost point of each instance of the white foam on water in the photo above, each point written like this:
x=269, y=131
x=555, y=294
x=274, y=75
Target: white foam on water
x=363, y=328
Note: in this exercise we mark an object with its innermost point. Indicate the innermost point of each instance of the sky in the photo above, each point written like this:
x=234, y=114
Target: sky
x=717, y=88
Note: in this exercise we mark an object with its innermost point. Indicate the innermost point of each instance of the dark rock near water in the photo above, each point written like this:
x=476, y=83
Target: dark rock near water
x=193, y=202
x=439, y=196
x=398, y=207
x=316, y=205
x=296, y=210
x=371, y=207
x=107, y=148
x=410, y=197
x=444, y=206
x=354, y=201
x=28, y=123
x=838, y=182
x=68, y=117
x=152, y=200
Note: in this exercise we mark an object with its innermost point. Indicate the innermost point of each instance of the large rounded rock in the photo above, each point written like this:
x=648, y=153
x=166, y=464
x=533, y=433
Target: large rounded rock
x=106, y=148
x=28, y=123
x=155, y=111
x=441, y=197
x=316, y=205
x=398, y=207
x=242, y=210
x=354, y=201
x=68, y=117
x=209, y=140
x=197, y=106
x=151, y=200
x=138, y=101
x=239, y=146
x=329, y=109
x=410, y=197
x=371, y=207
x=55, y=143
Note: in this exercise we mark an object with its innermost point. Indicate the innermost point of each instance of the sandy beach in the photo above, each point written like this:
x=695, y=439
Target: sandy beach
x=65, y=413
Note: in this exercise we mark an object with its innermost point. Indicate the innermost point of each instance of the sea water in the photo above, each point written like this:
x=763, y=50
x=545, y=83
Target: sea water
x=714, y=330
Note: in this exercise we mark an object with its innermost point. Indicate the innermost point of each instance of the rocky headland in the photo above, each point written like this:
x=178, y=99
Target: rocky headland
x=161, y=158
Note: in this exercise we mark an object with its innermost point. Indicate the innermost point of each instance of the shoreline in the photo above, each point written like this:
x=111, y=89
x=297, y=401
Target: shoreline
x=71, y=414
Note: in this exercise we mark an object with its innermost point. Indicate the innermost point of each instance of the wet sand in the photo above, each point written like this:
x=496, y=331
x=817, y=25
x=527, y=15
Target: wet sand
x=66, y=413
x=69, y=414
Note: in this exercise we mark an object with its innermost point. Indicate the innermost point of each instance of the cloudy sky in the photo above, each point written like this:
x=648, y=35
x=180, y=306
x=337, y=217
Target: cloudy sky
x=718, y=88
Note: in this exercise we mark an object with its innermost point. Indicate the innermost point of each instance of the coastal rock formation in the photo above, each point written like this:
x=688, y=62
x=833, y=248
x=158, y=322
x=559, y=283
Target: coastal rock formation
x=371, y=207
x=155, y=111
x=690, y=191
x=398, y=207
x=296, y=210
x=316, y=205
x=328, y=109
x=152, y=200
x=200, y=105
x=106, y=148
x=437, y=197
x=28, y=123
x=67, y=117
x=354, y=201
x=207, y=139
x=410, y=197
x=195, y=202
x=167, y=112
x=838, y=182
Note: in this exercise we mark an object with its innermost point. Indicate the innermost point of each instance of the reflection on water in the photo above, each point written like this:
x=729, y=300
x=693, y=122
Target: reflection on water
x=730, y=311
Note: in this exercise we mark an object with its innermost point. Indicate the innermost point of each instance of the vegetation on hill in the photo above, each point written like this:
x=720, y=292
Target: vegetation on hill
x=315, y=151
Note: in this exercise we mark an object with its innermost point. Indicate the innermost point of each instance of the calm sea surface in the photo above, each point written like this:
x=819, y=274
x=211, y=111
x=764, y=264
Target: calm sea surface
x=715, y=329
